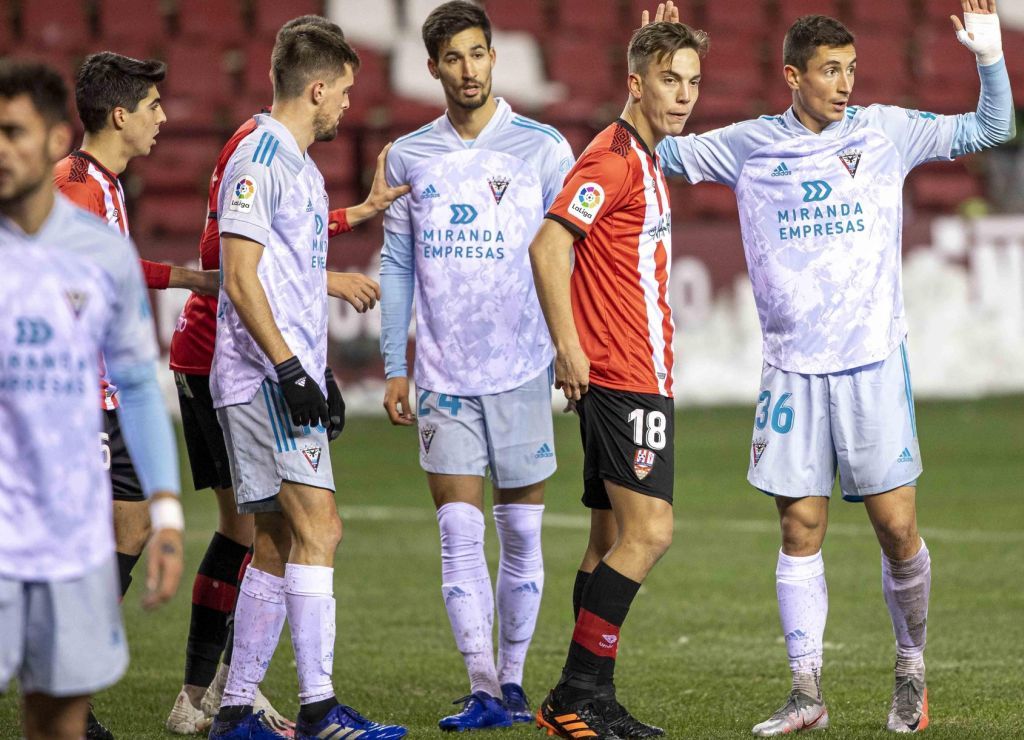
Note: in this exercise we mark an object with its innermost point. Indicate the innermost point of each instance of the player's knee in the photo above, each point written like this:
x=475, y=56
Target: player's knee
x=899, y=540
x=654, y=538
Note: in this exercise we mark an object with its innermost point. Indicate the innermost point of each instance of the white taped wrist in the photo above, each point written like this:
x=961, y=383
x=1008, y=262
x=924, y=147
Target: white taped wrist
x=166, y=513
x=987, y=43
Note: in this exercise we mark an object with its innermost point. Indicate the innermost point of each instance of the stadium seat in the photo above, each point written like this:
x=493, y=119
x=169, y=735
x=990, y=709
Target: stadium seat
x=585, y=66
x=270, y=15
x=634, y=10
x=515, y=15
x=712, y=201
x=214, y=21
x=6, y=27
x=199, y=71
x=178, y=164
x=170, y=215
x=943, y=188
x=42, y=26
x=337, y=159
x=131, y=22
x=720, y=18
x=256, y=70
x=597, y=20
x=376, y=29
x=886, y=16
x=790, y=10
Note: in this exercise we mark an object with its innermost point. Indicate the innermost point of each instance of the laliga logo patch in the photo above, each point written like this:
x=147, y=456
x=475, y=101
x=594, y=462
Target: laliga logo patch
x=427, y=433
x=851, y=160
x=587, y=202
x=643, y=463
x=312, y=455
x=242, y=194
x=498, y=185
x=758, y=447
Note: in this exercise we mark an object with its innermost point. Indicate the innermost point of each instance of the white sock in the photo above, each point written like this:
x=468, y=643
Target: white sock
x=259, y=617
x=466, y=588
x=803, y=608
x=520, y=585
x=906, y=585
x=309, y=594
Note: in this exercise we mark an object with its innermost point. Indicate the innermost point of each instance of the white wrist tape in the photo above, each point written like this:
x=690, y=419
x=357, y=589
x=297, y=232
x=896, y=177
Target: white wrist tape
x=987, y=43
x=166, y=513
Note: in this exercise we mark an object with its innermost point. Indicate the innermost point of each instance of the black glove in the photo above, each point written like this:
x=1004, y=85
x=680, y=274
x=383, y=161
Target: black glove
x=335, y=405
x=302, y=394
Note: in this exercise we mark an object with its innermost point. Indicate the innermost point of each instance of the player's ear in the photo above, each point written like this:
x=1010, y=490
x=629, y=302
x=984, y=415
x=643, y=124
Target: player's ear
x=316, y=92
x=118, y=116
x=792, y=76
x=635, y=84
x=432, y=68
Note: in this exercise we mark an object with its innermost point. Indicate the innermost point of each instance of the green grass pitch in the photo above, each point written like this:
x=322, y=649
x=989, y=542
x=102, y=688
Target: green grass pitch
x=702, y=655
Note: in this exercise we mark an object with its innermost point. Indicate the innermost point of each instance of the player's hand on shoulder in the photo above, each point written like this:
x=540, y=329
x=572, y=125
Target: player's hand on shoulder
x=356, y=289
x=381, y=194
x=396, y=402
x=572, y=372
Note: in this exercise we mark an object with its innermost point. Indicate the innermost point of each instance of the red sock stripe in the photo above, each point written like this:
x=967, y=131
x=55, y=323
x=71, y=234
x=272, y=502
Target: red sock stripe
x=245, y=565
x=213, y=594
x=596, y=635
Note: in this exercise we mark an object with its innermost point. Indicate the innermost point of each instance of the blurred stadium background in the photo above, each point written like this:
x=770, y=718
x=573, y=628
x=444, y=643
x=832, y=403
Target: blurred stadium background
x=562, y=61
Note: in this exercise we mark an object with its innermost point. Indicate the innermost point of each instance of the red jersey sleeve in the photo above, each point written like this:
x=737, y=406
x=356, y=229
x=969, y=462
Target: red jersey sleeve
x=337, y=222
x=158, y=275
x=593, y=188
x=84, y=195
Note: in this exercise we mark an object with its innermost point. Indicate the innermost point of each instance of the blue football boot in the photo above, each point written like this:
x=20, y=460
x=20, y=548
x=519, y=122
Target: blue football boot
x=251, y=727
x=343, y=720
x=480, y=711
x=516, y=703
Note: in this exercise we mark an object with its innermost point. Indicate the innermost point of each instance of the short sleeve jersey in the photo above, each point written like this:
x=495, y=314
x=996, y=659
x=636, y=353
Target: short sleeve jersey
x=821, y=218
x=273, y=194
x=616, y=203
x=473, y=210
x=70, y=291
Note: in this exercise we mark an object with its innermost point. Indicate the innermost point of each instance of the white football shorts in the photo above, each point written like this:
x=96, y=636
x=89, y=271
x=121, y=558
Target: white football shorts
x=858, y=422
x=265, y=448
x=510, y=434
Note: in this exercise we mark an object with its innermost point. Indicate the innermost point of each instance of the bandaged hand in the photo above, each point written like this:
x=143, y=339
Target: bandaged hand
x=980, y=33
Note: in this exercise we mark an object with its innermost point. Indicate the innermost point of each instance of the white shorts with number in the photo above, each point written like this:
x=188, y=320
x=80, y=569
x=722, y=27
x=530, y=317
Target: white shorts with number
x=62, y=638
x=509, y=433
x=860, y=422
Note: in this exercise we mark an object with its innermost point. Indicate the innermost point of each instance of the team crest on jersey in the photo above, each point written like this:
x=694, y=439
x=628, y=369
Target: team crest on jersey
x=851, y=160
x=587, y=202
x=758, y=448
x=499, y=185
x=77, y=300
x=427, y=432
x=643, y=463
x=243, y=194
x=312, y=455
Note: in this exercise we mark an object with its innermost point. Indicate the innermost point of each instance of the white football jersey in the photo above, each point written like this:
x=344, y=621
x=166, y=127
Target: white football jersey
x=68, y=292
x=473, y=210
x=821, y=218
x=273, y=194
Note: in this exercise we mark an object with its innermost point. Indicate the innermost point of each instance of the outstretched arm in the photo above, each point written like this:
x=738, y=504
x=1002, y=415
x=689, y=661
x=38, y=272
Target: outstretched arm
x=381, y=196
x=993, y=122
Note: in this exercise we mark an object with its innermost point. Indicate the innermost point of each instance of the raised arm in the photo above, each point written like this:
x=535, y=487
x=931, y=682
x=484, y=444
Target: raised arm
x=549, y=257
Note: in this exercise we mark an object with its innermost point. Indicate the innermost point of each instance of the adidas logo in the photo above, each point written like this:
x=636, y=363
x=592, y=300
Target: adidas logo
x=781, y=170
x=309, y=205
x=301, y=382
x=608, y=641
x=544, y=451
x=430, y=192
x=527, y=588
x=455, y=593
x=905, y=456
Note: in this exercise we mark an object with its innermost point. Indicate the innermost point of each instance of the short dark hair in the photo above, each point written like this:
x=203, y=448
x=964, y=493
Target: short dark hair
x=107, y=80
x=43, y=85
x=310, y=20
x=304, y=52
x=655, y=41
x=451, y=18
x=808, y=33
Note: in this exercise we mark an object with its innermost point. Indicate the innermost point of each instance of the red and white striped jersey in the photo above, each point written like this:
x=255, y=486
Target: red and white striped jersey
x=616, y=203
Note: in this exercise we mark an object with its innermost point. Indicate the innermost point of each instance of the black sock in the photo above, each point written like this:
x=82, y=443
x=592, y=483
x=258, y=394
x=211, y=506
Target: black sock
x=234, y=713
x=125, y=563
x=315, y=712
x=213, y=599
x=577, y=591
x=229, y=641
x=595, y=641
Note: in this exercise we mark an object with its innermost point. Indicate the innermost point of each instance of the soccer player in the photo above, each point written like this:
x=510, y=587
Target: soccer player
x=276, y=400
x=481, y=177
x=191, y=353
x=70, y=289
x=612, y=329
x=820, y=197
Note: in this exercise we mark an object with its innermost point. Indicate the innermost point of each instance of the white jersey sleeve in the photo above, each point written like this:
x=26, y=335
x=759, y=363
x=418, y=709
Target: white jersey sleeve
x=251, y=192
x=719, y=155
x=918, y=136
x=556, y=166
x=396, y=217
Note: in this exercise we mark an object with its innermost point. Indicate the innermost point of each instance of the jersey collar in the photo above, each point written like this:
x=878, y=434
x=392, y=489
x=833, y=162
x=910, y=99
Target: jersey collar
x=82, y=154
x=501, y=116
x=832, y=131
x=633, y=132
x=52, y=232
